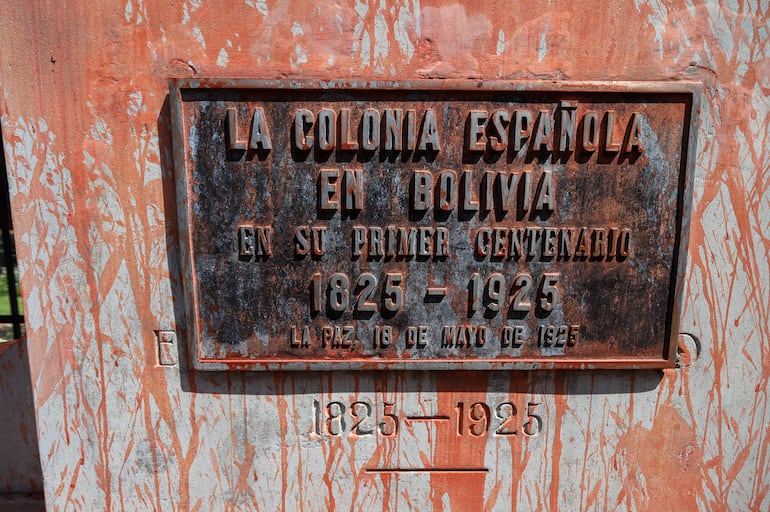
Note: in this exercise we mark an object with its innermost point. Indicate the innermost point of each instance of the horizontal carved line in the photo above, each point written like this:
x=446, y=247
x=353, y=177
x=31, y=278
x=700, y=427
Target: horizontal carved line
x=427, y=470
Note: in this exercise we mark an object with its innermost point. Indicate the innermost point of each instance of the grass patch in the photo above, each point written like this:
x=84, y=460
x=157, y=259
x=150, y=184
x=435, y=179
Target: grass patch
x=5, y=297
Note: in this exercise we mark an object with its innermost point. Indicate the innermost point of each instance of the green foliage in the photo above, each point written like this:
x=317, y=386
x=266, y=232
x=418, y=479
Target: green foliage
x=5, y=297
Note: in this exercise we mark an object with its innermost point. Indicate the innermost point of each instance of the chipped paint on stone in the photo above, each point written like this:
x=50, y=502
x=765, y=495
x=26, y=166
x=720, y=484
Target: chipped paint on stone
x=222, y=58
x=199, y=37
x=542, y=48
x=259, y=5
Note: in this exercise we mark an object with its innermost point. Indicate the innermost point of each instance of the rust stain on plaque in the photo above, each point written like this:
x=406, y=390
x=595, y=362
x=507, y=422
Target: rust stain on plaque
x=432, y=224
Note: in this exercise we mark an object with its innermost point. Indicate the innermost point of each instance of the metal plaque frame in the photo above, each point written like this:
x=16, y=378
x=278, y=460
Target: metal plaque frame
x=197, y=137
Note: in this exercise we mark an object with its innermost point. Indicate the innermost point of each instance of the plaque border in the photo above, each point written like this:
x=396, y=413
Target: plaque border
x=189, y=334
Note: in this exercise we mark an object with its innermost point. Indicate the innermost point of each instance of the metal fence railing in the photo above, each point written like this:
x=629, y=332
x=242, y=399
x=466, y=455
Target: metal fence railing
x=10, y=301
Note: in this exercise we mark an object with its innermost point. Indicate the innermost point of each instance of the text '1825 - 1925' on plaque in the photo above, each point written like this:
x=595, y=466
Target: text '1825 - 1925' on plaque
x=432, y=224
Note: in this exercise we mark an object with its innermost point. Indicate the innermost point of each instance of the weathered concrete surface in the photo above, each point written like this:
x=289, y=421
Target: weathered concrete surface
x=85, y=126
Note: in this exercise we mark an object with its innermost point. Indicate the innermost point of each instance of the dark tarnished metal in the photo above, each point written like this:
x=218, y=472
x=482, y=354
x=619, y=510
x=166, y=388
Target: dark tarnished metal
x=432, y=224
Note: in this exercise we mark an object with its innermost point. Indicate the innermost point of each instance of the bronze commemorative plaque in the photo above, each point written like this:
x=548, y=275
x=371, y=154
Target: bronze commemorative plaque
x=432, y=224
